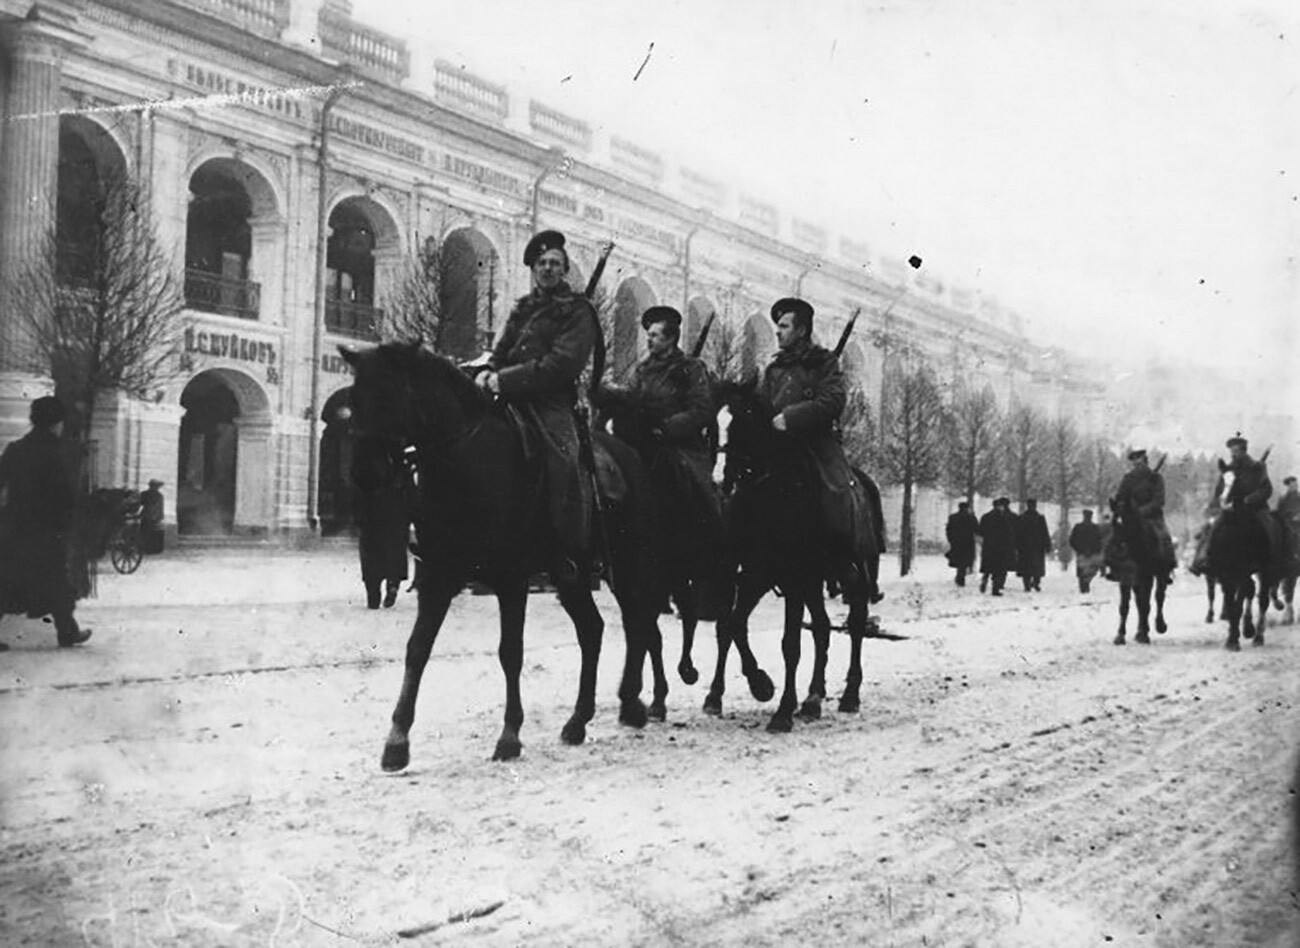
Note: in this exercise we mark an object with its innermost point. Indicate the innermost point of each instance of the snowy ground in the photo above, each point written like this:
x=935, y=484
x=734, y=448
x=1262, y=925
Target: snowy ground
x=206, y=772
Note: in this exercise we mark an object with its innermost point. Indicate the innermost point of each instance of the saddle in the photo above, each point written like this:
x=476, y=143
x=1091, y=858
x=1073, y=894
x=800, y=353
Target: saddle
x=611, y=485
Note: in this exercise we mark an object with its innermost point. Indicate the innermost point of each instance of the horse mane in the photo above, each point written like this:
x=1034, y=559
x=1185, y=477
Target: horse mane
x=461, y=386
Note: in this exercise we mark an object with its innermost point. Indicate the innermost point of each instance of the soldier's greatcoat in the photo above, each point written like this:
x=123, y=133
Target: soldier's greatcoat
x=1143, y=491
x=806, y=385
x=542, y=351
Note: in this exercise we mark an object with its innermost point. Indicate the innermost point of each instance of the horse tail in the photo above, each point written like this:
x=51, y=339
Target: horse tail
x=874, y=506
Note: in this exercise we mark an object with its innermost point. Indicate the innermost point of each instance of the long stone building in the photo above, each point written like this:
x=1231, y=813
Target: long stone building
x=296, y=159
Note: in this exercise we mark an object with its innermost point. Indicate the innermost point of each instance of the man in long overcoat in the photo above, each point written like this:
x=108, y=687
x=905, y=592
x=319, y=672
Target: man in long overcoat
x=998, y=545
x=1249, y=491
x=672, y=389
x=535, y=366
x=805, y=388
x=961, y=530
x=36, y=524
x=384, y=504
x=1141, y=493
x=1085, y=541
x=1033, y=543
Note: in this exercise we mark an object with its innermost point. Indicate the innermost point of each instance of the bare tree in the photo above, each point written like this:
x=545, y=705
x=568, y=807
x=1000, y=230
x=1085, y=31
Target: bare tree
x=911, y=440
x=722, y=349
x=1024, y=440
x=973, y=423
x=412, y=311
x=858, y=428
x=1103, y=469
x=1066, y=476
x=103, y=313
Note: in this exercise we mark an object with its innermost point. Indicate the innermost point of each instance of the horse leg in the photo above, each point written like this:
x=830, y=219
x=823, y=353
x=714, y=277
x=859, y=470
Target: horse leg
x=1288, y=595
x=713, y=700
x=1209, y=594
x=512, y=600
x=431, y=609
x=1248, y=609
x=1161, y=586
x=850, y=700
x=1265, y=593
x=734, y=629
x=782, y=721
x=654, y=640
x=1142, y=593
x=1232, y=607
x=575, y=597
x=685, y=599
x=1125, y=594
x=811, y=709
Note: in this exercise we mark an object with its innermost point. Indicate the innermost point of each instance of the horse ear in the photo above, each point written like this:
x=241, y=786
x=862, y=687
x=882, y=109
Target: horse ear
x=350, y=356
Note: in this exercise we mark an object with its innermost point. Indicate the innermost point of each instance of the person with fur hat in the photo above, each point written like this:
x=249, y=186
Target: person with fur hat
x=1141, y=492
x=805, y=388
x=672, y=392
x=535, y=365
x=36, y=524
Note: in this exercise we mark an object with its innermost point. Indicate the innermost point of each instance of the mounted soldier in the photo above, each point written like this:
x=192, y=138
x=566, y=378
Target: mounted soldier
x=1142, y=491
x=534, y=367
x=673, y=393
x=1244, y=486
x=804, y=386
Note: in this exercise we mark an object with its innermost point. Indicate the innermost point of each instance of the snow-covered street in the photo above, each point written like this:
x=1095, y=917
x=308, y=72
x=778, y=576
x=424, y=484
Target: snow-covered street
x=205, y=772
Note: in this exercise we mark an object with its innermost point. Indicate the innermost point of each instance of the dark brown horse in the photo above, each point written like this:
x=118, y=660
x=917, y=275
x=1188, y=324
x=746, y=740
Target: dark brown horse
x=1132, y=558
x=773, y=530
x=481, y=517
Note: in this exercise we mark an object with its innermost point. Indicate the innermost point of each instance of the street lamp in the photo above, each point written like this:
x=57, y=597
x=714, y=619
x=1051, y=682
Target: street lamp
x=686, y=260
x=558, y=160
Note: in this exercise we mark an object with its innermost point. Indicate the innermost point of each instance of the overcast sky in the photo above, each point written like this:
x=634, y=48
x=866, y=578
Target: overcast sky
x=1129, y=166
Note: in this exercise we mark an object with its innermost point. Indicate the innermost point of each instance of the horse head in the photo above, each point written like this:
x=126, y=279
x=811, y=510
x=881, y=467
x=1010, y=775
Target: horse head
x=749, y=435
x=403, y=393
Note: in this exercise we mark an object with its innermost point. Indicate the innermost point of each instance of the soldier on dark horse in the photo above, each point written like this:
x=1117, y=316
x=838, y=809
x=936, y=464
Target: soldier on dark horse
x=1288, y=516
x=665, y=413
x=1246, y=544
x=1140, y=552
x=799, y=514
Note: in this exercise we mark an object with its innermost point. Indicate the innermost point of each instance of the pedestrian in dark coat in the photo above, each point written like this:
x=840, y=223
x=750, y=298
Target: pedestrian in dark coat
x=1033, y=544
x=384, y=503
x=805, y=388
x=546, y=343
x=998, y=545
x=151, y=518
x=961, y=531
x=1085, y=541
x=38, y=482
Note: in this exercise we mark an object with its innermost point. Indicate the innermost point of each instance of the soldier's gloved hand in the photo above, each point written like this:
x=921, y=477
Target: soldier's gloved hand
x=489, y=382
x=778, y=421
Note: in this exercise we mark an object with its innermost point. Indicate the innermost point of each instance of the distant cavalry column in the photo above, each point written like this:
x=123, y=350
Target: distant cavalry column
x=29, y=156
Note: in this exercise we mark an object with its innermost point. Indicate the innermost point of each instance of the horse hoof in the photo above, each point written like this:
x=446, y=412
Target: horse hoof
x=689, y=675
x=1119, y=639
x=1247, y=633
x=849, y=704
x=810, y=710
x=657, y=711
x=1142, y=639
x=760, y=685
x=509, y=748
x=1209, y=617
x=1161, y=626
x=780, y=724
x=1232, y=645
x=713, y=705
x=396, y=757
x=1259, y=640
x=631, y=714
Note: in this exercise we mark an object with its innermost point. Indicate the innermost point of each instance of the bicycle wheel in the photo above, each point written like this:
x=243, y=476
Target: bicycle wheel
x=125, y=551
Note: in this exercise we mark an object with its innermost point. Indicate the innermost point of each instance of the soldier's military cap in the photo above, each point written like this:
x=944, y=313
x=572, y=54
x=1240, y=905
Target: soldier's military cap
x=1137, y=453
x=1288, y=480
x=1002, y=502
x=1237, y=440
x=542, y=242
x=661, y=314
x=792, y=304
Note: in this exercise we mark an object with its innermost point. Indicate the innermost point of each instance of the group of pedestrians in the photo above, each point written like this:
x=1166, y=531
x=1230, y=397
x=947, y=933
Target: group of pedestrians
x=1008, y=543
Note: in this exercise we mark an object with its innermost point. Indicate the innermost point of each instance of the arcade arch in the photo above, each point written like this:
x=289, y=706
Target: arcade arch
x=363, y=255
x=633, y=297
x=471, y=285
x=90, y=165
x=335, y=503
x=231, y=232
x=223, y=459
x=694, y=319
x=757, y=343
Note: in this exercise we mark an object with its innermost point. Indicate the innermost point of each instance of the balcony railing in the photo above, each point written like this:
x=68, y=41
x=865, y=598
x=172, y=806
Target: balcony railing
x=554, y=124
x=365, y=47
x=356, y=320
x=460, y=89
x=213, y=293
x=264, y=17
